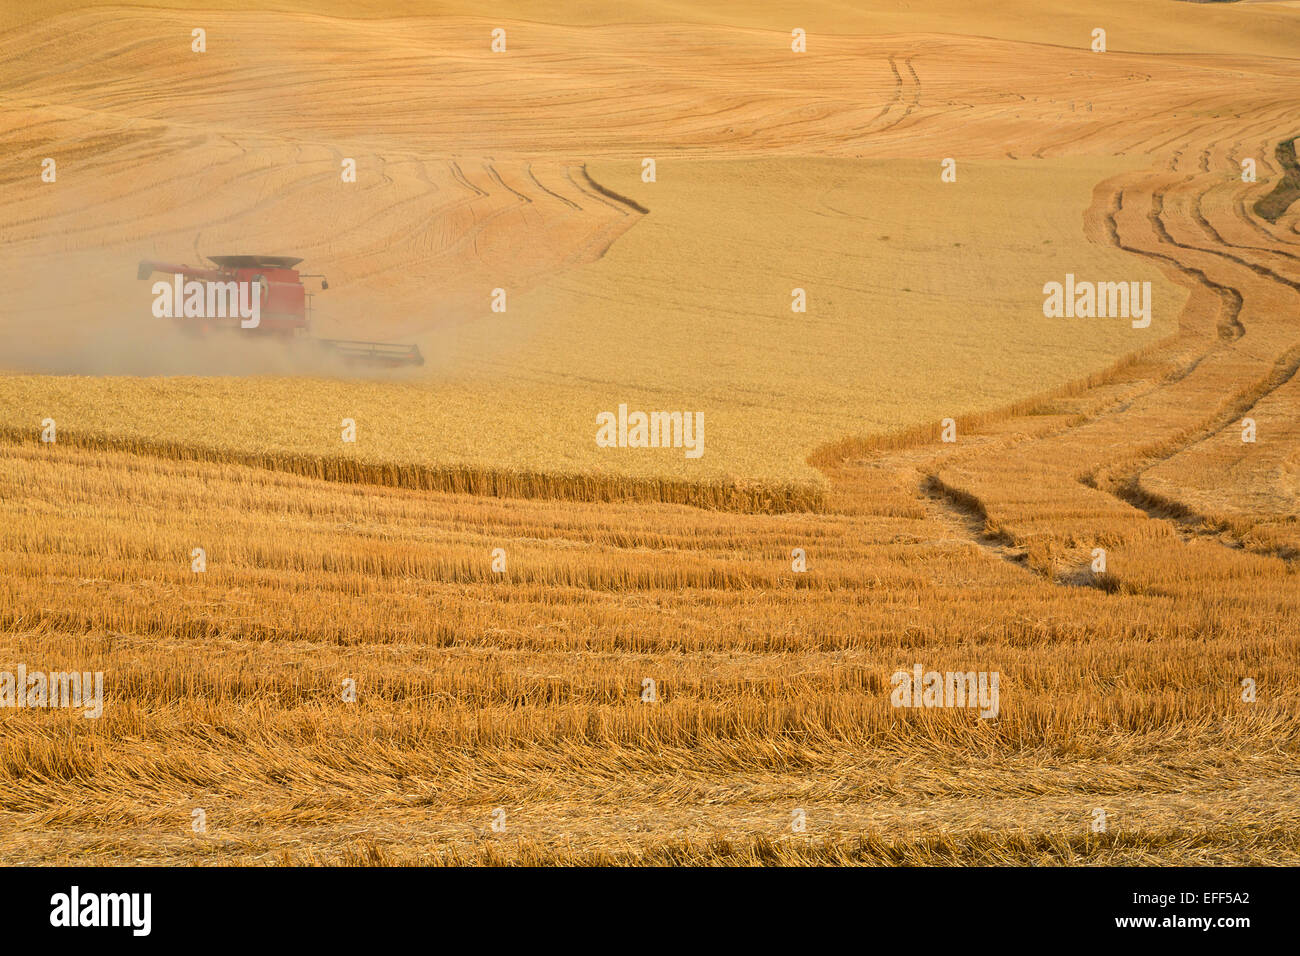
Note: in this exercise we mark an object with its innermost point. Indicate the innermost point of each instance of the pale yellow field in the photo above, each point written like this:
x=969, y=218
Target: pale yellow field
x=686, y=307
x=498, y=589
x=691, y=310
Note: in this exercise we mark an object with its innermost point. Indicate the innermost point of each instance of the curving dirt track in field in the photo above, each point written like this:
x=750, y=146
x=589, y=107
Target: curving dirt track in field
x=1127, y=463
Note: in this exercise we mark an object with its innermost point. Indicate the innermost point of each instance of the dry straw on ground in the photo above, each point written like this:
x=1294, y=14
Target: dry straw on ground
x=521, y=691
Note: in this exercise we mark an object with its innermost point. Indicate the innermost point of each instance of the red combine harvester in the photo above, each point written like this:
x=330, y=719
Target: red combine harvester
x=285, y=306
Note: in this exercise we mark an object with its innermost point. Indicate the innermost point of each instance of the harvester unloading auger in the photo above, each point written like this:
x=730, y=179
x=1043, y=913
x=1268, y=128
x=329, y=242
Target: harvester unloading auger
x=285, y=306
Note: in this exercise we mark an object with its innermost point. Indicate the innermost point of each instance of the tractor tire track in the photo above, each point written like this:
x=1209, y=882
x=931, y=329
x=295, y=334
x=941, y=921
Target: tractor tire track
x=1122, y=482
x=460, y=177
x=568, y=202
x=1213, y=234
x=896, y=101
x=1125, y=483
x=496, y=178
x=620, y=202
x=899, y=94
x=1230, y=327
x=1157, y=213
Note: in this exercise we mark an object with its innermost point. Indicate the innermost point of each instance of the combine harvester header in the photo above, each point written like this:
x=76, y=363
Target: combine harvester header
x=285, y=306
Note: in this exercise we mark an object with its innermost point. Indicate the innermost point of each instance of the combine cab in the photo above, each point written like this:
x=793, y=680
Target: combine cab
x=285, y=306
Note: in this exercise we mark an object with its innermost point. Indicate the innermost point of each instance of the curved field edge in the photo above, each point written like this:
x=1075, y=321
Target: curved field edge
x=837, y=452
x=720, y=495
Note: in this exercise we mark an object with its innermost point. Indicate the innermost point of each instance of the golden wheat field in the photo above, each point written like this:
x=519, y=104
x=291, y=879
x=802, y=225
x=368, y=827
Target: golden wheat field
x=478, y=634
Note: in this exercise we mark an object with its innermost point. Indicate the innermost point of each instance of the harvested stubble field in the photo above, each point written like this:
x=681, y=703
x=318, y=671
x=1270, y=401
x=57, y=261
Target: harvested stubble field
x=521, y=691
